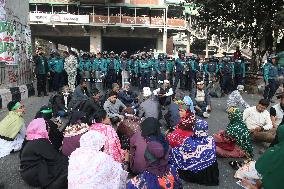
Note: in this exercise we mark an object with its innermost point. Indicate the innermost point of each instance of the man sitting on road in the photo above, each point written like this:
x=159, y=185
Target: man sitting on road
x=258, y=121
x=92, y=105
x=149, y=107
x=80, y=95
x=201, y=100
x=235, y=99
x=164, y=93
x=128, y=97
x=114, y=107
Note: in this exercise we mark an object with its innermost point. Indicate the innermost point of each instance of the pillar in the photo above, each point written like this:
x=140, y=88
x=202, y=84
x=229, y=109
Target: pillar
x=188, y=43
x=165, y=40
x=162, y=42
x=96, y=41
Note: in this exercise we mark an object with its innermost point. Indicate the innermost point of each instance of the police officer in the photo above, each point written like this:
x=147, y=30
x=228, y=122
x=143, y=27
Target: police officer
x=211, y=69
x=124, y=68
x=179, y=72
x=112, y=69
x=227, y=73
x=98, y=67
x=145, y=66
x=161, y=67
x=134, y=68
x=58, y=72
x=170, y=69
x=85, y=68
x=270, y=78
x=240, y=71
x=51, y=68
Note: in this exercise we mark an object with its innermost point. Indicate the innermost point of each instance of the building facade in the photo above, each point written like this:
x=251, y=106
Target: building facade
x=15, y=43
x=100, y=25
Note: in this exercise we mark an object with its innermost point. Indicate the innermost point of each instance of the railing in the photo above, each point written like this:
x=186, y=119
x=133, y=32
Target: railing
x=142, y=20
x=139, y=20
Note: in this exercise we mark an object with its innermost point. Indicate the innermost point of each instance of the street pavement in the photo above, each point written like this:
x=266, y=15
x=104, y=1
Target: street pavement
x=9, y=165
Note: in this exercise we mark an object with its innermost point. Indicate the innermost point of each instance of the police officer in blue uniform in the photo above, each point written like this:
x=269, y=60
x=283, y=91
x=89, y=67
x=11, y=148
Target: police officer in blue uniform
x=227, y=73
x=179, y=73
x=271, y=78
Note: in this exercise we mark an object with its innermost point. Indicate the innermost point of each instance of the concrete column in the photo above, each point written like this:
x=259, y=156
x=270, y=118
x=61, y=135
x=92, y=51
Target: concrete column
x=165, y=40
x=162, y=42
x=188, y=43
x=96, y=41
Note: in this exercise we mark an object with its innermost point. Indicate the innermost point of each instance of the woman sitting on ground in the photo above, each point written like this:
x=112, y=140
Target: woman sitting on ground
x=112, y=146
x=183, y=130
x=89, y=167
x=128, y=127
x=12, y=129
x=73, y=132
x=267, y=171
x=236, y=141
x=196, y=159
x=158, y=173
x=40, y=164
x=54, y=134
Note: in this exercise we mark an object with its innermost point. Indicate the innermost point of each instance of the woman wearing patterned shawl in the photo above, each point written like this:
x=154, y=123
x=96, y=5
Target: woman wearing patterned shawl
x=89, y=167
x=112, y=146
x=158, y=174
x=41, y=165
x=73, y=132
x=12, y=129
x=196, y=159
x=235, y=142
x=183, y=129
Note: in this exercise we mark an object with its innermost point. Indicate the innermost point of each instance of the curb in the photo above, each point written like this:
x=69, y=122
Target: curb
x=16, y=93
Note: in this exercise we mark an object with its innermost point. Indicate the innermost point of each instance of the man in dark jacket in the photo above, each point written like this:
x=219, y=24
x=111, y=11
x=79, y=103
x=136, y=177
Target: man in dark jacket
x=92, y=105
x=41, y=71
x=128, y=97
x=201, y=100
x=80, y=95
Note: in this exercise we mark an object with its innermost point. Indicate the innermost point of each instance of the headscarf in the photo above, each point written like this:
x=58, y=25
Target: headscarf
x=187, y=101
x=271, y=164
x=45, y=112
x=77, y=117
x=37, y=129
x=183, y=130
x=89, y=167
x=238, y=130
x=11, y=125
x=187, y=122
x=157, y=150
x=197, y=152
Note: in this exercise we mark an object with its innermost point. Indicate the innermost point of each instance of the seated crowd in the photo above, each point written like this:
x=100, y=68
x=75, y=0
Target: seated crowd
x=117, y=141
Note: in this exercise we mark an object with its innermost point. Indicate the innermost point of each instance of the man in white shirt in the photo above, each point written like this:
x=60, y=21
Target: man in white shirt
x=201, y=100
x=258, y=121
x=164, y=93
x=277, y=112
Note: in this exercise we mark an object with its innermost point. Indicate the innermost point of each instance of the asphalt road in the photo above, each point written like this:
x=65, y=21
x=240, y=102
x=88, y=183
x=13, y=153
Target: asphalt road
x=9, y=165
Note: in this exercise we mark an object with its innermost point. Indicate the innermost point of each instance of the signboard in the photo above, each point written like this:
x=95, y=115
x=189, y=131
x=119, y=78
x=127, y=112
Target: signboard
x=63, y=18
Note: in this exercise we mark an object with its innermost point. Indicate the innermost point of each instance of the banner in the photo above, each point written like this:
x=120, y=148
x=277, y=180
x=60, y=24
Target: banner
x=63, y=18
x=8, y=42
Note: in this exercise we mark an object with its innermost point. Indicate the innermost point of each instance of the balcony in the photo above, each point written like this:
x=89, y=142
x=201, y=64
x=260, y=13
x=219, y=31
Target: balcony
x=63, y=18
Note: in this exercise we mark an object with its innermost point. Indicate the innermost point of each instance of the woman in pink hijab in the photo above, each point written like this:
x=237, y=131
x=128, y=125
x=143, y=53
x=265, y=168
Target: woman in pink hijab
x=41, y=165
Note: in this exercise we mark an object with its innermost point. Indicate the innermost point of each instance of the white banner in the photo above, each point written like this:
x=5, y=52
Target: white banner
x=64, y=18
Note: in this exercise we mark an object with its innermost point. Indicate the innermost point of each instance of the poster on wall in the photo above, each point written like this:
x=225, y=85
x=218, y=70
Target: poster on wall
x=8, y=42
x=3, y=16
x=28, y=43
